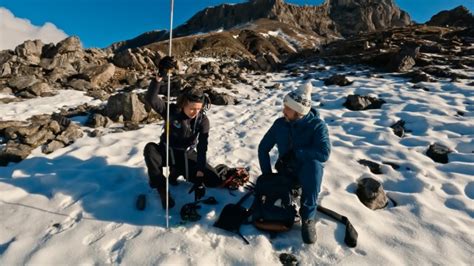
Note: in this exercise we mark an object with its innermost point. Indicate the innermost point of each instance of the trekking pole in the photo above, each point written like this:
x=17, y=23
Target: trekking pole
x=166, y=170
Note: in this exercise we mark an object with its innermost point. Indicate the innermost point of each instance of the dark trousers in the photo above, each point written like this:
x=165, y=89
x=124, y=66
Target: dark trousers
x=155, y=159
x=308, y=177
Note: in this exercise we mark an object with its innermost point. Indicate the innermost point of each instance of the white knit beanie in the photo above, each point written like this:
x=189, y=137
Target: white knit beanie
x=299, y=100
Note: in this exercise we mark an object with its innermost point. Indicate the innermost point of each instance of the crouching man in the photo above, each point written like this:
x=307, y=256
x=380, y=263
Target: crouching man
x=303, y=145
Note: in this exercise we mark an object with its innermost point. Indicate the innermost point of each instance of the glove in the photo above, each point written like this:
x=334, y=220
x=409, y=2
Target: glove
x=287, y=164
x=166, y=64
x=199, y=190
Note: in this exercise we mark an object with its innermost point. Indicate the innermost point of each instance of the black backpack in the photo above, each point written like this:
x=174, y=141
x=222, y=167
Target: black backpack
x=272, y=208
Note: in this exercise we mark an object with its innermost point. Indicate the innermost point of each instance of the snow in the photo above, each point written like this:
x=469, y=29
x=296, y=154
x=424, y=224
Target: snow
x=205, y=59
x=292, y=43
x=76, y=205
x=43, y=105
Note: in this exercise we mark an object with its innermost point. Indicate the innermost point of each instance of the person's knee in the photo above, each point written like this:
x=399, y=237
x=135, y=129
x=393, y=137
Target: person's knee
x=150, y=148
x=313, y=166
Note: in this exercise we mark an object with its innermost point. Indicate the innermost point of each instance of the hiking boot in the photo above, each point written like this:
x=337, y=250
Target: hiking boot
x=162, y=193
x=308, y=232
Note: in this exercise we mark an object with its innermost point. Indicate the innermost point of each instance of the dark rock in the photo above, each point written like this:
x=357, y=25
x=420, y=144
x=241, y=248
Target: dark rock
x=438, y=153
x=98, y=94
x=404, y=60
x=373, y=166
x=20, y=83
x=418, y=76
x=39, y=138
x=14, y=152
x=98, y=120
x=71, y=133
x=96, y=133
x=457, y=17
x=126, y=105
x=356, y=102
x=443, y=73
x=52, y=146
x=80, y=85
x=370, y=192
x=339, y=80
x=99, y=75
x=129, y=126
x=41, y=89
x=399, y=128
x=222, y=98
x=395, y=166
x=288, y=259
x=62, y=120
x=419, y=87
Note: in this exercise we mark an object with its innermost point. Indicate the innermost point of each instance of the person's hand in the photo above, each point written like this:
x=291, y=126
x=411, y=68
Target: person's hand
x=166, y=65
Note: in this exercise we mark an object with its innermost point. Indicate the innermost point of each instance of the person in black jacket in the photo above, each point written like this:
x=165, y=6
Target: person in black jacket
x=189, y=130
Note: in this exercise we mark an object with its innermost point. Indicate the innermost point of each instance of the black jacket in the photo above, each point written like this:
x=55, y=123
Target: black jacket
x=184, y=131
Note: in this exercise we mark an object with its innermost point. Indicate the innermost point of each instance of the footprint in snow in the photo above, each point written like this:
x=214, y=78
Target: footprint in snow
x=115, y=248
x=99, y=234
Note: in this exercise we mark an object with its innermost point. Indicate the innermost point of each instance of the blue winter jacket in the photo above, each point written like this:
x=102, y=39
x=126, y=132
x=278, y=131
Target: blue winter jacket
x=309, y=135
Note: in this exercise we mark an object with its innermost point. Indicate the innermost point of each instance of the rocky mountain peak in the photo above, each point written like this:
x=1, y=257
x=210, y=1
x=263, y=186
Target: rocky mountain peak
x=334, y=17
x=356, y=16
x=457, y=17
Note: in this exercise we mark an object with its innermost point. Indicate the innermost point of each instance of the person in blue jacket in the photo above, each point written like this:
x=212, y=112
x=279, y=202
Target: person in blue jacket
x=302, y=140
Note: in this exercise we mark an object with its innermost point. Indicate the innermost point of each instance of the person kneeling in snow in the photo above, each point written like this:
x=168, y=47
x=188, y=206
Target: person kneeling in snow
x=189, y=129
x=303, y=145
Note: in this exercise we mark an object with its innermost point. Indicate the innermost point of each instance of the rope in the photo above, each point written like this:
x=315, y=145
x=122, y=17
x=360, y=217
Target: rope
x=168, y=118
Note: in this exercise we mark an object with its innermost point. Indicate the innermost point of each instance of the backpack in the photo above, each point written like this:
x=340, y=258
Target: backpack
x=272, y=209
x=232, y=178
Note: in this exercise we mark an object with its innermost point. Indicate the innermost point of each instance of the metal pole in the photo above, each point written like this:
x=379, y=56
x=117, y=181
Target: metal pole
x=168, y=119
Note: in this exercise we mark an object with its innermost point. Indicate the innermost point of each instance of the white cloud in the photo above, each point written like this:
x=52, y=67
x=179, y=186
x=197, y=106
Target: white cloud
x=14, y=31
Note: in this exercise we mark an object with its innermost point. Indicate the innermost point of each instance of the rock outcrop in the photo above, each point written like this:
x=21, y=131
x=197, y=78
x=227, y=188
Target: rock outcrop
x=457, y=17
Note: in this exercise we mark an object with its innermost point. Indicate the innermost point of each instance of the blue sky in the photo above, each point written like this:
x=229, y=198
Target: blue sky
x=99, y=23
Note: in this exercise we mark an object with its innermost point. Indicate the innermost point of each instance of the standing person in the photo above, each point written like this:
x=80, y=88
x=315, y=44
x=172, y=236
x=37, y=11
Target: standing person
x=303, y=145
x=189, y=129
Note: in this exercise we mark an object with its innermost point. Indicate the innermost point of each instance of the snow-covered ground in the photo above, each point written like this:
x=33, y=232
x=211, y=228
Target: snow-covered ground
x=76, y=205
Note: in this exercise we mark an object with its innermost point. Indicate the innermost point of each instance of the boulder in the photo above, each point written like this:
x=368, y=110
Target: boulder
x=52, y=146
x=404, y=60
x=370, y=192
x=62, y=73
x=357, y=102
x=19, y=83
x=100, y=75
x=14, y=152
x=97, y=120
x=438, y=153
x=41, y=89
x=374, y=167
x=80, y=85
x=339, y=80
x=126, y=105
x=68, y=45
x=71, y=133
x=399, y=128
x=30, y=51
x=39, y=138
x=222, y=98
